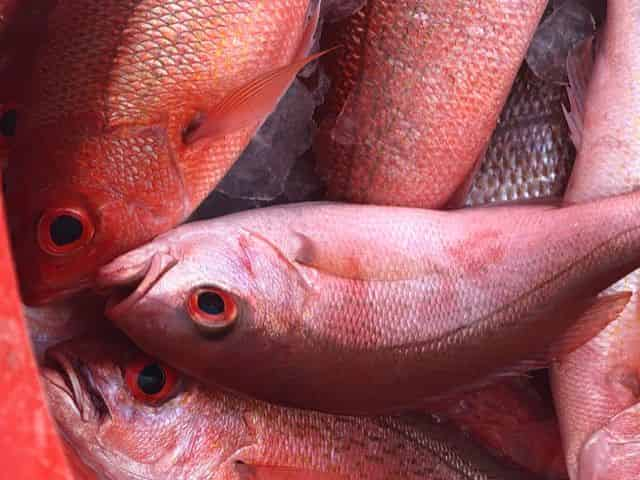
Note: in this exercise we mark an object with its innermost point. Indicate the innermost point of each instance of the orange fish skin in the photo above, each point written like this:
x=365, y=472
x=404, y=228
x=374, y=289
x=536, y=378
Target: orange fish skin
x=114, y=87
x=419, y=90
x=204, y=433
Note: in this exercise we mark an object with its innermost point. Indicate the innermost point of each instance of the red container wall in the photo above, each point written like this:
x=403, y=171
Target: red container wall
x=29, y=445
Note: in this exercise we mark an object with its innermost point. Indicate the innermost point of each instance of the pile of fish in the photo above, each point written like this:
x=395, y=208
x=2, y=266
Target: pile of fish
x=355, y=309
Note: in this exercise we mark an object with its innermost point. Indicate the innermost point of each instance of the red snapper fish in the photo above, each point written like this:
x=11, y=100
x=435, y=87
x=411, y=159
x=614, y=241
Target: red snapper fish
x=597, y=386
x=129, y=416
x=132, y=113
x=416, y=96
x=367, y=309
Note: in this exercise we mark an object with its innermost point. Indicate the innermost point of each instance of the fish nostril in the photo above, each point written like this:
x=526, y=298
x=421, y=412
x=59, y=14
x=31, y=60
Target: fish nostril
x=192, y=126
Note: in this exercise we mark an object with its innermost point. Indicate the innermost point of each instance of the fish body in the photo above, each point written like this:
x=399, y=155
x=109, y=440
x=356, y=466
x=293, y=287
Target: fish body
x=367, y=309
x=597, y=386
x=514, y=421
x=188, y=431
x=131, y=114
x=416, y=95
x=530, y=154
x=611, y=452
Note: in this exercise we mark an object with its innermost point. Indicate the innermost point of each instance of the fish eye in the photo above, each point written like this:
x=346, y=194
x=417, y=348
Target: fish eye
x=150, y=381
x=8, y=122
x=211, y=309
x=62, y=231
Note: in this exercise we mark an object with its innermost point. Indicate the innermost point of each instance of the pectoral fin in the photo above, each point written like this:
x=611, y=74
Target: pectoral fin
x=248, y=105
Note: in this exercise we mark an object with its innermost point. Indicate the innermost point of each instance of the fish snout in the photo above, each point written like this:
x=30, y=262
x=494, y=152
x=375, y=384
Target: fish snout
x=128, y=283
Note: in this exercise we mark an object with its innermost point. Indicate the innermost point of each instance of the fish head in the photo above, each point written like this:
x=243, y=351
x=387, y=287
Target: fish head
x=129, y=416
x=78, y=198
x=209, y=299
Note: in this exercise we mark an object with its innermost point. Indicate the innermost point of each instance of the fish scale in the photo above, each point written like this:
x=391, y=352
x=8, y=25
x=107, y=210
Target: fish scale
x=530, y=154
x=109, y=110
x=599, y=423
x=407, y=119
x=207, y=433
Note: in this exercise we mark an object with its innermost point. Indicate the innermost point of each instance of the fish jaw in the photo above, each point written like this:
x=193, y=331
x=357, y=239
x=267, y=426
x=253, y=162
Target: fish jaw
x=151, y=287
x=119, y=226
x=76, y=404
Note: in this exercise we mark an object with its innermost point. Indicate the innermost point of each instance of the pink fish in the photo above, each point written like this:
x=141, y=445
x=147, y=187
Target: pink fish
x=602, y=379
x=367, y=309
x=129, y=416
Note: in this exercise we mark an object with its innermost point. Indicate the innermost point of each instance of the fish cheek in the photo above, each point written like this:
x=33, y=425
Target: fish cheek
x=163, y=331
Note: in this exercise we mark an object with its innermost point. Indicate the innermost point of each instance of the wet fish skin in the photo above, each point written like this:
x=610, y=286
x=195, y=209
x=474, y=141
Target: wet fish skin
x=531, y=143
x=595, y=421
x=530, y=154
x=354, y=319
x=203, y=433
x=611, y=453
x=513, y=420
x=419, y=89
x=109, y=118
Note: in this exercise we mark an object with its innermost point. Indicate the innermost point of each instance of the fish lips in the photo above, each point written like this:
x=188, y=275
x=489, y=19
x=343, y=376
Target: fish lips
x=74, y=381
x=129, y=286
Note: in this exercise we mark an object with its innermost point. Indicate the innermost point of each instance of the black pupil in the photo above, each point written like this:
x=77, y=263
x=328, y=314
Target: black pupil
x=151, y=379
x=211, y=303
x=8, y=123
x=65, y=230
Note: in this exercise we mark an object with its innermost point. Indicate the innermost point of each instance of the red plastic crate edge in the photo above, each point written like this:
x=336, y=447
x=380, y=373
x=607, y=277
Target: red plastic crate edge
x=29, y=445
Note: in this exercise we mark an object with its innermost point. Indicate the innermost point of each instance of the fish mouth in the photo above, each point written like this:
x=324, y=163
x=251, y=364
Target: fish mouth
x=74, y=380
x=131, y=286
